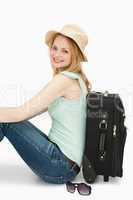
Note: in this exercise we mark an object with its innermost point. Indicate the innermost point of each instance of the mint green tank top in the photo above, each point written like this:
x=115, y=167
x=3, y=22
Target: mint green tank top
x=69, y=122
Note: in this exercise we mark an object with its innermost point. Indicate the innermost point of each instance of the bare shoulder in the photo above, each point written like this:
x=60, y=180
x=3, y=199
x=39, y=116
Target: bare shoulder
x=62, y=79
x=69, y=83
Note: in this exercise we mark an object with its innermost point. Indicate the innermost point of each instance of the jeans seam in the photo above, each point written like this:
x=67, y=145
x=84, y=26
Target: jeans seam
x=33, y=144
x=38, y=149
x=62, y=178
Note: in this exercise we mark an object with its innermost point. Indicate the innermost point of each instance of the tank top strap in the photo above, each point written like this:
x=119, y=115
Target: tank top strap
x=75, y=75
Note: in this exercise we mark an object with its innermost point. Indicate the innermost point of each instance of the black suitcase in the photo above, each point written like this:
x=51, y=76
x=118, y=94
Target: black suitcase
x=105, y=136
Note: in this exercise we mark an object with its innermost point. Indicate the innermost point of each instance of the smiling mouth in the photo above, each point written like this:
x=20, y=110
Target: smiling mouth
x=56, y=61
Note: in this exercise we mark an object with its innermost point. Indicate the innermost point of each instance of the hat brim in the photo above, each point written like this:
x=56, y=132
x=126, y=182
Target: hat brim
x=49, y=37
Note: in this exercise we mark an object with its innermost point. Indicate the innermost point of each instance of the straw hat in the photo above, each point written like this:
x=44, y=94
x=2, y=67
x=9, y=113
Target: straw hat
x=72, y=31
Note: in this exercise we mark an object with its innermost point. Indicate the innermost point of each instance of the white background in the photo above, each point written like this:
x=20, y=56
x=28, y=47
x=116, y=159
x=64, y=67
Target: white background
x=25, y=68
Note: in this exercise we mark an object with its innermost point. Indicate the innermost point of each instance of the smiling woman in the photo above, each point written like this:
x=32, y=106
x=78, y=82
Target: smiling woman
x=55, y=158
x=59, y=55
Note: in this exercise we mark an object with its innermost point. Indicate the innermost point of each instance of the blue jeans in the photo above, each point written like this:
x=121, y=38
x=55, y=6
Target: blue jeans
x=43, y=156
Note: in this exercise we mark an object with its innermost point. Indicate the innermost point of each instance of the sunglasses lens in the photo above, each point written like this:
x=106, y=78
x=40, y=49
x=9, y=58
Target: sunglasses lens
x=70, y=187
x=84, y=189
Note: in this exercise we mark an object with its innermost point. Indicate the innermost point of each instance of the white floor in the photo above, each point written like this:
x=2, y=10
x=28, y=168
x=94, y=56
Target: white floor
x=17, y=181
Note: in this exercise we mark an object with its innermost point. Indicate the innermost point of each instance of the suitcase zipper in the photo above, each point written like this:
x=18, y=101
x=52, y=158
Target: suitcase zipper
x=114, y=131
x=114, y=158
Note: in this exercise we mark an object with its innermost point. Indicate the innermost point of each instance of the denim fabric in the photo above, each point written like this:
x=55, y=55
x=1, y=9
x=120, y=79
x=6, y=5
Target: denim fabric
x=43, y=156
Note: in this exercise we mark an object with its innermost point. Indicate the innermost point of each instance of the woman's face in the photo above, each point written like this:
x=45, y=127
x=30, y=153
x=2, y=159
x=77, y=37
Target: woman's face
x=60, y=55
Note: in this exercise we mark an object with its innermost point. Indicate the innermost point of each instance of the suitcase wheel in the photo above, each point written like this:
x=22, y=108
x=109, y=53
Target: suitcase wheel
x=106, y=178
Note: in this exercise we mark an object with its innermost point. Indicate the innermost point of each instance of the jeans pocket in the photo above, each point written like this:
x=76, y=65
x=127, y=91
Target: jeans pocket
x=60, y=159
x=54, y=152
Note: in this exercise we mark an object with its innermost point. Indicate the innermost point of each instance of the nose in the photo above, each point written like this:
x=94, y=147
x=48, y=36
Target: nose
x=57, y=54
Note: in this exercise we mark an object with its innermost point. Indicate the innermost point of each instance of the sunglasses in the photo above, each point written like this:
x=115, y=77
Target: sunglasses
x=82, y=188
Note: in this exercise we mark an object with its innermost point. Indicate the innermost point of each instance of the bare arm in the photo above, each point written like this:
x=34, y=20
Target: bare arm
x=8, y=114
x=39, y=103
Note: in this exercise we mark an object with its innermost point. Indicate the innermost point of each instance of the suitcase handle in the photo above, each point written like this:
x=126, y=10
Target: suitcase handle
x=103, y=130
x=102, y=152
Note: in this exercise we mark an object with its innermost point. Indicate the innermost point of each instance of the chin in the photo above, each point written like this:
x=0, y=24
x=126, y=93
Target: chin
x=57, y=66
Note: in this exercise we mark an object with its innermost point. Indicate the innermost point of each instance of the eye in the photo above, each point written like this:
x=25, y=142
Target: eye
x=54, y=47
x=65, y=51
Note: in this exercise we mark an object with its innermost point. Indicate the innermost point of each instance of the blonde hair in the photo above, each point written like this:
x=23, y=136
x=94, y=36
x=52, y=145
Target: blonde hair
x=76, y=65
